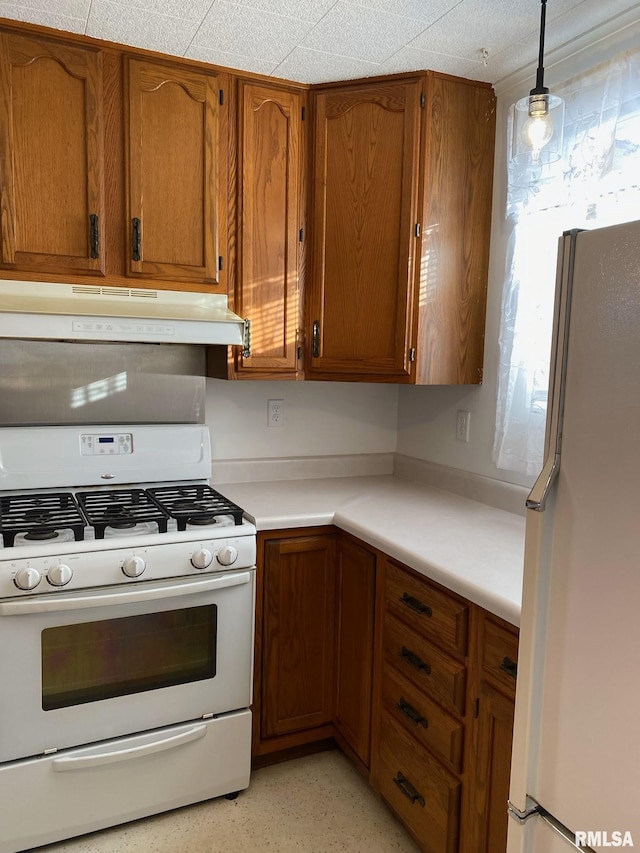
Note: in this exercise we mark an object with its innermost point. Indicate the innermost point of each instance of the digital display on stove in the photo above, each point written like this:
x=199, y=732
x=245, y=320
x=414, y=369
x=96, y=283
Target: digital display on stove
x=105, y=439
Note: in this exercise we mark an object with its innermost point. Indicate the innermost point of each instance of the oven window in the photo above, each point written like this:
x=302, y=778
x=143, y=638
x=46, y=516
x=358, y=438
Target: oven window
x=117, y=657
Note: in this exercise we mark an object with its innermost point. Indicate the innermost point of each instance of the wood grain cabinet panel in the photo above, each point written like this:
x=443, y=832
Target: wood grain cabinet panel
x=492, y=693
x=424, y=795
x=367, y=140
x=176, y=160
x=51, y=156
x=269, y=221
x=438, y=615
x=298, y=634
x=356, y=579
x=402, y=187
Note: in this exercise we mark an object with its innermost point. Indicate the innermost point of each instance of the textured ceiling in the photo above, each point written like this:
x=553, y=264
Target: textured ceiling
x=316, y=41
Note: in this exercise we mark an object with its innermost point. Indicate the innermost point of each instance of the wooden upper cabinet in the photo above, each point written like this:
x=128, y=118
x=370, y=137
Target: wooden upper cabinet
x=402, y=186
x=176, y=163
x=269, y=223
x=456, y=195
x=367, y=140
x=51, y=156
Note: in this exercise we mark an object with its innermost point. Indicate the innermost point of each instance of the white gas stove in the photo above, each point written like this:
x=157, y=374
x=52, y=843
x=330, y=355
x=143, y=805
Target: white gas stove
x=127, y=594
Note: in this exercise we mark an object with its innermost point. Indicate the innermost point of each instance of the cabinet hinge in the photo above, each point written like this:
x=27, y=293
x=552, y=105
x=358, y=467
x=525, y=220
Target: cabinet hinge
x=246, y=343
x=417, y=229
x=220, y=262
x=423, y=100
x=221, y=95
x=304, y=113
x=412, y=353
x=301, y=235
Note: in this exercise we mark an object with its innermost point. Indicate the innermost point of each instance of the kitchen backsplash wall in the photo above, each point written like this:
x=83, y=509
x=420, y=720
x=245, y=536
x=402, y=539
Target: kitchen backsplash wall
x=320, y=419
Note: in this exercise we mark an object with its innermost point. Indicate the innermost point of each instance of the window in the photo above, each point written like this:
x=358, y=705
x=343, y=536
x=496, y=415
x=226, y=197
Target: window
x=596, y=183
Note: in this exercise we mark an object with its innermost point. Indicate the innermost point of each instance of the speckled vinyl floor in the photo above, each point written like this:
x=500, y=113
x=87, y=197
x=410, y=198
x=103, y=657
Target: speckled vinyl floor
x=317, y=804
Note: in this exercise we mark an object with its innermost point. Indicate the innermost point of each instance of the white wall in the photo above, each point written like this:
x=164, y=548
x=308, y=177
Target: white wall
x=427, y=416
x=320, y=418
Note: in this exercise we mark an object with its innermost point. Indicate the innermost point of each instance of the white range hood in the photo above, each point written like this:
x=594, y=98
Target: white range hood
x=51, y=311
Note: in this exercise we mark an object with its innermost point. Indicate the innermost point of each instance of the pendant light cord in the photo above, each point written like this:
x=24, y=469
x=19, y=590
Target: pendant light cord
x=540, y=88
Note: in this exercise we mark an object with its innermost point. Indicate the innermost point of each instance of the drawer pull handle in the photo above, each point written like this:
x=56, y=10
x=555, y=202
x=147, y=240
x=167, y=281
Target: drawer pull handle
x=413, y=660
x=409, y=711
x=408, y=790
x=416, y=605
x=510, y=667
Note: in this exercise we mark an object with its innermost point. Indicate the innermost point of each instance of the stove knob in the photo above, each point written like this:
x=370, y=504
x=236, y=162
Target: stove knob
x=201, y=559
x=227, y=555
x=133, y=567
x=27, y=578
x=59, y=575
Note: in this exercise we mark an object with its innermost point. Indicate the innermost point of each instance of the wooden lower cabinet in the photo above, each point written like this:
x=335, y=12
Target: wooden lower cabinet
x=415, y=683
x=355, y=603
x=295, y=619
x=489, y=760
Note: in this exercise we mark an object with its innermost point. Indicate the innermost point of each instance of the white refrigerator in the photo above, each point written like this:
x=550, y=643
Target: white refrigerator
x=575, y=776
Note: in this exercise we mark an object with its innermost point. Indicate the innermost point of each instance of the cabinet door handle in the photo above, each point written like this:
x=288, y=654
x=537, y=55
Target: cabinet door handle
x=408, y=790
x=315, y=339
x=94, y=236
x=136, y=238
x=510, y=667
x=410, y=712
x=416, y=605
x=413, y=660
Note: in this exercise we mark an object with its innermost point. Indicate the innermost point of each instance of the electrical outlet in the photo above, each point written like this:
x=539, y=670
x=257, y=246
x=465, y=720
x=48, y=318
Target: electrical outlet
x=462, y=425
x=275, y=413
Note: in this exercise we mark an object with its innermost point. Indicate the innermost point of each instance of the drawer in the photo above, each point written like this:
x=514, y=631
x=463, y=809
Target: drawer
x=424, y=664
x=500, y=654
x=439, y=616
x=424, y=795
x=425, y=720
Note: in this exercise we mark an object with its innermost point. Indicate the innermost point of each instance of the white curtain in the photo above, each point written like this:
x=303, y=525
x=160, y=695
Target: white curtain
x=596, y=183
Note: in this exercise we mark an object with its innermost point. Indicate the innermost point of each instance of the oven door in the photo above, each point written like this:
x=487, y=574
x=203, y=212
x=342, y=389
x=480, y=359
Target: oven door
x=77, y=668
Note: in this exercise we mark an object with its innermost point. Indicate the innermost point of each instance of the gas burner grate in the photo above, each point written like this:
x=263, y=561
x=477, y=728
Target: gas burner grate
x=39, y=517
x=120, y=509
x=195, y=504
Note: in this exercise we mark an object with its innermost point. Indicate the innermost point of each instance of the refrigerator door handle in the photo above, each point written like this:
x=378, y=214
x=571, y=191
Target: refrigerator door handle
x=558, y=368
x=534, y=809
x=542, y=486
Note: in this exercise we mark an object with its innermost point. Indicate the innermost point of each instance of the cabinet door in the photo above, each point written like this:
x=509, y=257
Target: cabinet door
x=51, y=155
x=175, y=173
x=298, y=625
x=356, y=578
x=269, y=221
x=364, y=183
x=492, y=769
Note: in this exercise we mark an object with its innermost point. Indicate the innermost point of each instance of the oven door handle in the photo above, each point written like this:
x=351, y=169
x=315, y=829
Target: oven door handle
x=81, y=762
x=104, y=598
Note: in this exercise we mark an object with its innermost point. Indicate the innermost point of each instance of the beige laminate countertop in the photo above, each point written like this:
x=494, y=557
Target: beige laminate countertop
x=467, y=546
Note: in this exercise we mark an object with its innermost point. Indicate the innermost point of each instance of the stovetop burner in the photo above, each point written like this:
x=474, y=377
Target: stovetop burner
x=39, y=517
x=196, y=504
x=121, y=510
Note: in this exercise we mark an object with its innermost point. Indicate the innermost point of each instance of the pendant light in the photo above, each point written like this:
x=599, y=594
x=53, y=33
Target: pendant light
x=538, y=119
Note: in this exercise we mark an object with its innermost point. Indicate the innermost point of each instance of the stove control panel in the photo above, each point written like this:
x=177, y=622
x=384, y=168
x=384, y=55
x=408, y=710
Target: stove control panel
x=116, y=562
x=105, y=443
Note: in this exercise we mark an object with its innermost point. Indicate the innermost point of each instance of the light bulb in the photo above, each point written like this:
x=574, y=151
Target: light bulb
x=536, y=133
